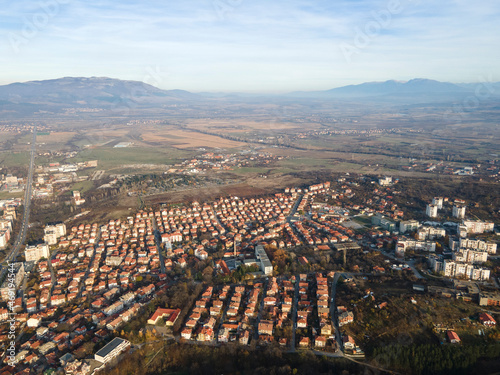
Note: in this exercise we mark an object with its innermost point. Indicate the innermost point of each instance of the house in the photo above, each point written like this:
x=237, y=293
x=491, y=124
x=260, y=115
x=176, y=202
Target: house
x=265, y=327
x=486, y=319
x=452, y=337
x=113, y=325
x=326, y=330
x=244, y=337
x=302, y=323
x=206, y=334
x=186, y=333
x=346, y=318
x=304, y=342
x=349, y=342
x=34, y=322
x=223, y=335
x=320, y=342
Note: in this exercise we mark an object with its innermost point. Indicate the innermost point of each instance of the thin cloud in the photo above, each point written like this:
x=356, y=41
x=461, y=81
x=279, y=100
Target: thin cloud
x=254, y=45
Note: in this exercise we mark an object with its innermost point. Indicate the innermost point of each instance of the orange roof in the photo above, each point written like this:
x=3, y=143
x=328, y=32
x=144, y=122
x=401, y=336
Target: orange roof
x=161, y=312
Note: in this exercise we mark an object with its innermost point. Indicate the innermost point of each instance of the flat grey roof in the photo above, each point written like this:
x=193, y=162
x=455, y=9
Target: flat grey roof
x=110, y=347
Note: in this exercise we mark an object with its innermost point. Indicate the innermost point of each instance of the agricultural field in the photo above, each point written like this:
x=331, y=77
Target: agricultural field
x=14, y=159
x=242, y=125
x=186, y=139
x=112, y=159
x=50, y=140
x=8, y=195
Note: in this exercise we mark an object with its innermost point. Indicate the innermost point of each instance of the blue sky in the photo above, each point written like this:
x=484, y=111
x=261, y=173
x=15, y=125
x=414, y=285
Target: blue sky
x=251, y=45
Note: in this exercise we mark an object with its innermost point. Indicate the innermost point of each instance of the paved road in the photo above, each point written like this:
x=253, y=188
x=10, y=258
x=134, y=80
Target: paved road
x=82, y=285
x=224, y=312
x=158, y=246
x=333, y=313
x=261, y=307
x=294, y=312
x=294, y=208
x=21, y=237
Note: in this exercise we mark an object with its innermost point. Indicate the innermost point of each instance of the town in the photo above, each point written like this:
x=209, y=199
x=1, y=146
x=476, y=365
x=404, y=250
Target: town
x=253, y=271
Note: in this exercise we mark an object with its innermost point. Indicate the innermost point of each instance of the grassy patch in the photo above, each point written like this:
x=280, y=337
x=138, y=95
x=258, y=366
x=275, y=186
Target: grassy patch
x=7, y=195
x=83, y=186
x=14, y=159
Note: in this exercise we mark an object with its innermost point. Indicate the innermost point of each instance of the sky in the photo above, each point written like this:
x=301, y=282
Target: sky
x=251, y=45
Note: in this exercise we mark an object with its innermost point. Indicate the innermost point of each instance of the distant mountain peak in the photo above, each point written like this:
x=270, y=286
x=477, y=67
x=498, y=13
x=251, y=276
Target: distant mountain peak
x=99, y=92
x=416, y=86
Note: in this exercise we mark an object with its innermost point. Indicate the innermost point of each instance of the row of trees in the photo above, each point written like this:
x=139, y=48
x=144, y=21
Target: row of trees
x=230, y=359
x=435, y=359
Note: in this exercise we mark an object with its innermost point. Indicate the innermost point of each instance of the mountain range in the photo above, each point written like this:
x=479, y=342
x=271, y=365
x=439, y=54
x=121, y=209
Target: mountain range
x=108, y=93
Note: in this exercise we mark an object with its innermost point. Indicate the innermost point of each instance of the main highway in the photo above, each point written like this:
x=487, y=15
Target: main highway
x=21, y=237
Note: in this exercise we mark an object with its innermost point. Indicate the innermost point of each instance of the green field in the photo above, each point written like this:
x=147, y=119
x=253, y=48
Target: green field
x=82, y=186
x=110, y=158
x=14, y=159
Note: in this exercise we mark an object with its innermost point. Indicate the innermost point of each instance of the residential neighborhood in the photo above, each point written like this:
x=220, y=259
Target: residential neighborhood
x=261, y=272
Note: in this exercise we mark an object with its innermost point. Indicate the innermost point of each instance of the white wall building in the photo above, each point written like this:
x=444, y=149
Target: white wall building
x=37, y=252
x=53, y=232
x=467, y=243
x=431, y=210
x=4, y=237
x=265, y=264
x=458, y=211
x=469, y=271
x=385, y=181
x=470, y=256
x=438, y=201
x=430, y=233
x=411, y=244
x=408, y=226
x=477, y=227
x=17, y=270
x=112, y=350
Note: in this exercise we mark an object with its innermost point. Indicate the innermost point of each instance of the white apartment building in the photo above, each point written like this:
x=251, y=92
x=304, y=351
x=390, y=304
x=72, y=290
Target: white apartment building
x=469, y=271
x=489, y=247
x=462, y=231
x=53, y=232
x=408, y=226
x=37, y=252
x=4, y=237
x=438, y=201
x=477, y=227
x=4, y=223
x=265, y=264
x=112, y=350
x=470, y=256
x=431, y=210
x=18, y=271
x=458, y=211
x=430, y=233
x=405, y=244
